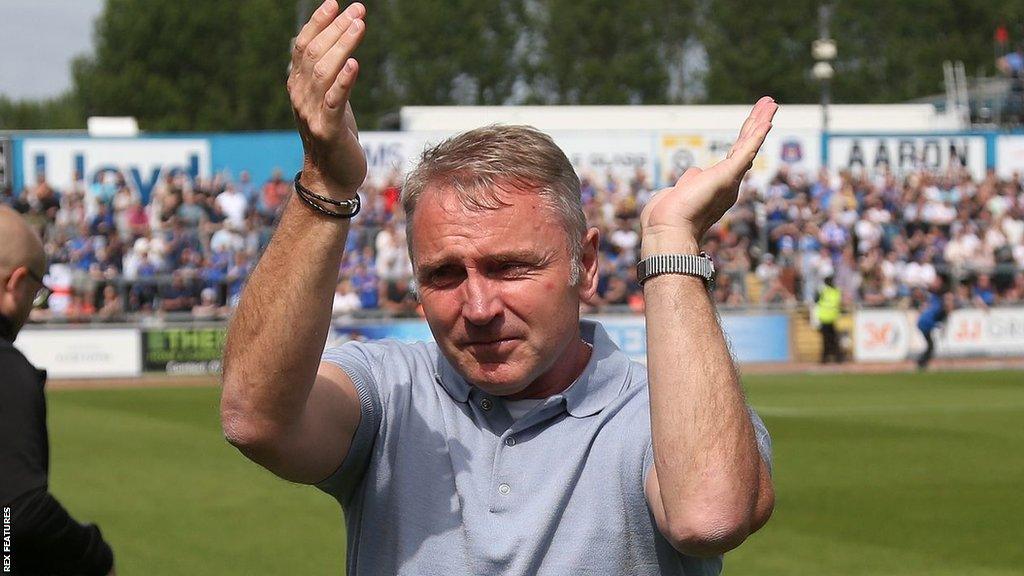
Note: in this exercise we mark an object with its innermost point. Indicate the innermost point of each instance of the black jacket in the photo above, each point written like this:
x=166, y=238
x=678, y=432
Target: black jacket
x=44, y=538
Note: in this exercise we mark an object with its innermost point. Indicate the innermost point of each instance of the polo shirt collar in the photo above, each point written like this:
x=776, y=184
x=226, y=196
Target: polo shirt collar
x=603, y=379
x=450, y=379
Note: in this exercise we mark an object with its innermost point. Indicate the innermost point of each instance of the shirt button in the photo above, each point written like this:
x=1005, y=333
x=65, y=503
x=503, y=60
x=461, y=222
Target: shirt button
x=504, y=489
x=486, y=404
x=510, y=441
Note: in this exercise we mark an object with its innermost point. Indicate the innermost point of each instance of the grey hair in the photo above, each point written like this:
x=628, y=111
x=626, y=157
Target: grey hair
x=477, y=165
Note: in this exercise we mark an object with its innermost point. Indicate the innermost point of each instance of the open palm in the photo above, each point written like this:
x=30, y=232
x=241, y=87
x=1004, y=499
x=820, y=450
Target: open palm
x=321, y=80
x=700, y=197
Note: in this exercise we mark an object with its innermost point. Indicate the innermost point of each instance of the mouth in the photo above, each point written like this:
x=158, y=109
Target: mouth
x=493, y=348
x=483, y=342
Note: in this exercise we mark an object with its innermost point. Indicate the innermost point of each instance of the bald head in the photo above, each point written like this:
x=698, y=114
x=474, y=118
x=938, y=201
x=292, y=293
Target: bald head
x=22, y=264
x=19, y=245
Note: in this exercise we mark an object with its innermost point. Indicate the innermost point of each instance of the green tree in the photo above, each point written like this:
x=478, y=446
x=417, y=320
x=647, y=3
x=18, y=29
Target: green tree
x=753, y=52
x=62, y=112
x=606, y=52
x=189, y=66
x=452, y=51
x=888, y=51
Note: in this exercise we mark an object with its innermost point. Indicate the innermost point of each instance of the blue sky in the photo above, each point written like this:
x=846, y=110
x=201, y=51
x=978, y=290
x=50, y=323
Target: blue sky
x=38, y=39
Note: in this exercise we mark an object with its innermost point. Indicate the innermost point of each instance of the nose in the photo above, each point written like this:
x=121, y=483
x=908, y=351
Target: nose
x=481, y=301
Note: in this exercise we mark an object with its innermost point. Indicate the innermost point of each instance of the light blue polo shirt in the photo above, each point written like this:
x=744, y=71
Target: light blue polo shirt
x=440, y=480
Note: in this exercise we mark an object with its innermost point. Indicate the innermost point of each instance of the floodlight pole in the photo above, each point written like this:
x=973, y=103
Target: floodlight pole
x=824, y=51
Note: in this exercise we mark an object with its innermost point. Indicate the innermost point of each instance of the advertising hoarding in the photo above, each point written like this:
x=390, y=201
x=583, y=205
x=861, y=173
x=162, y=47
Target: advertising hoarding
x=143, y=161
x=83, y=353
x=901, y=154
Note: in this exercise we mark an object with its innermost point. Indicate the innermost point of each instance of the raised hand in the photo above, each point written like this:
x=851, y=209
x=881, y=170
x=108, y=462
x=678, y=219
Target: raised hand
x=321, y=79
x=677, y=218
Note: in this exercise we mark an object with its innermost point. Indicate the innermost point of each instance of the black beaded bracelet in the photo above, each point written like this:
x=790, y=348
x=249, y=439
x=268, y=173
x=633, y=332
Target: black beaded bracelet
x=350, y=207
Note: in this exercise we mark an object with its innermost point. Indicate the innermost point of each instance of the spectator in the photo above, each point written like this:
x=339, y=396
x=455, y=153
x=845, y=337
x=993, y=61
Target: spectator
x=179, y=296
x=274, y=193
x=234, y=205
x=346, y=301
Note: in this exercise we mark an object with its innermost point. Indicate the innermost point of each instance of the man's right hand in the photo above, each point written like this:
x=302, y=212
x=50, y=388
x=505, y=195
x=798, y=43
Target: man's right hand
x=321, y=79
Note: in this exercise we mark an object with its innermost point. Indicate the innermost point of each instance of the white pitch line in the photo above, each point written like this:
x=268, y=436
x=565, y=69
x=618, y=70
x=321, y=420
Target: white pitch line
x=793, y=411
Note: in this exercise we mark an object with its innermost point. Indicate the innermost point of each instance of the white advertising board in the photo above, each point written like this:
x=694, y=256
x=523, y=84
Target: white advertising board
x=1009, y=156
x=993, y=332
x=143, y=161
x=892, y=335
x=85, y=353
x=881, y=335
x=594, y=155
x=618, y=154
x=902, y=154
x=389, y=155
x=798, y=151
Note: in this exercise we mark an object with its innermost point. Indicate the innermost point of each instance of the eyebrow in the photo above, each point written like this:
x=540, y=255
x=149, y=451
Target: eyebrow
x=427, y=267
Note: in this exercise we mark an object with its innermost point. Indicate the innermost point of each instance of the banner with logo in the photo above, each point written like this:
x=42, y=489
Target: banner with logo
x=991, y=332
x=143, y=161
x=190, y=350
x=882, y=335
x=908, y=153
x=794, y=151
x=893, y=336
x=83, y=353
x=620, y=155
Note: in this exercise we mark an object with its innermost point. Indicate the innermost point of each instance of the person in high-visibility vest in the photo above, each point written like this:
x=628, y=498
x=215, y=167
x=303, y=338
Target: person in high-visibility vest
x=829, y=306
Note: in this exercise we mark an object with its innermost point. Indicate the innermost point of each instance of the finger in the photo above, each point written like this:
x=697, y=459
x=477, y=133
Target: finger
x=762, y=112
x=325, y=72
x=747, y=150
x=337, y=96
x=329, y=37
x=317, y=22
x=745, y=129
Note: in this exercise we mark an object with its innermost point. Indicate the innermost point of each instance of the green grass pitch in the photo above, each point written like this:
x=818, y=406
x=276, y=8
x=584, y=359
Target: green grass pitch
x=909, y=474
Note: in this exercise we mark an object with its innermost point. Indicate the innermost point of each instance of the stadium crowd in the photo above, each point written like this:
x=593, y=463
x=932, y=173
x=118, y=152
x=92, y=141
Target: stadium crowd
x=189, y=249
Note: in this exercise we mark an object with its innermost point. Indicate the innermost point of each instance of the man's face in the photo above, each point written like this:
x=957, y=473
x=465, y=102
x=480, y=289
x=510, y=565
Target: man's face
x=495, y=290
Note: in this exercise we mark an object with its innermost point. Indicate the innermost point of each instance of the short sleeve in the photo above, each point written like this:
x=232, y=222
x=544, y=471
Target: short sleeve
x=362, y=363
x=764, y=440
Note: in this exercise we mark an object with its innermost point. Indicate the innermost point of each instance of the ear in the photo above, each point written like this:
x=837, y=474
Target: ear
x=16, y=279
x=588, y=274
x=9, y=299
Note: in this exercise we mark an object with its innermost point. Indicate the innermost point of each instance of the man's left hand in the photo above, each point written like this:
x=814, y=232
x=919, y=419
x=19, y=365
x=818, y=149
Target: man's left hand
x=677, y=218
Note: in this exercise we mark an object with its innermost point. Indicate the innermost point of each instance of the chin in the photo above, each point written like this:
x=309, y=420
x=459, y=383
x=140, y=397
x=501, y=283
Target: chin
x=497, y=379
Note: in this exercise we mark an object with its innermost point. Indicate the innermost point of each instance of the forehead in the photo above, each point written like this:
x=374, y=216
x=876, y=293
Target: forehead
x=446, y=226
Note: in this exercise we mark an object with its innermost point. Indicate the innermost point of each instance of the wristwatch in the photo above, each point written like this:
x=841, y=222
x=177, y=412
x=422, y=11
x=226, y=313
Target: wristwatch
x=688, y=264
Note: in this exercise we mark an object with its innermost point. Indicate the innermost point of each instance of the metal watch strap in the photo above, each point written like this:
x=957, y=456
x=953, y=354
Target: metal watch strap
x=688, y=264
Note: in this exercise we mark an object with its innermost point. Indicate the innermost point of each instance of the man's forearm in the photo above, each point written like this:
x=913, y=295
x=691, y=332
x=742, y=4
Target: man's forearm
x=706, y=456
x=277, y=335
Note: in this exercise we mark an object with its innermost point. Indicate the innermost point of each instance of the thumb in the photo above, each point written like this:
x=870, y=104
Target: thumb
x=689, y=175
